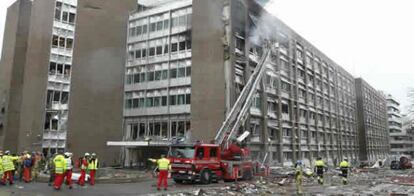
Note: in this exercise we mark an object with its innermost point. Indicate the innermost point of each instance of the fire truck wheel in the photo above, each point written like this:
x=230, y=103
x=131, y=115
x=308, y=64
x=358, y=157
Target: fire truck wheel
x=205, y=177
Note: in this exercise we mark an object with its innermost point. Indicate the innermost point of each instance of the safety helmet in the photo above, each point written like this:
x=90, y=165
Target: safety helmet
x=67, y=154
x=299, y=162
x=93, y=154
x=7, y=152
x=87, y=154
x=345, y=159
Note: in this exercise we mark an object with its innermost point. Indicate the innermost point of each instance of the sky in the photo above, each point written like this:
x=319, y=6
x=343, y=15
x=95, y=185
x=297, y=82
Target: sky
x=372, y=39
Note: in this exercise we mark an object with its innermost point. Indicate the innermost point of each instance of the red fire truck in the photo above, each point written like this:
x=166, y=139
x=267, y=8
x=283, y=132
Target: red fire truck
x=225, y=159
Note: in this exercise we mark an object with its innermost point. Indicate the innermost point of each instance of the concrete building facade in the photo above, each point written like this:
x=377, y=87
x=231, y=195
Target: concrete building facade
x=372, y=122
x=38, y=79
x=189, y=60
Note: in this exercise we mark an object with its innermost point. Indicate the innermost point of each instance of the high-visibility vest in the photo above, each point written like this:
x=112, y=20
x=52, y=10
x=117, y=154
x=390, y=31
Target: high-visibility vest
x=298, y=172
x=319, y=163
x=344, y=164
x=69, y=163
x=163, y=164
x=7, y=162
x=93, y=164
x=60, y=164
x=1, y=165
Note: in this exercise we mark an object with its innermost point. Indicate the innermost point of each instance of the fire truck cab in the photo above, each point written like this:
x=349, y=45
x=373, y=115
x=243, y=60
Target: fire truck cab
x=204, y=163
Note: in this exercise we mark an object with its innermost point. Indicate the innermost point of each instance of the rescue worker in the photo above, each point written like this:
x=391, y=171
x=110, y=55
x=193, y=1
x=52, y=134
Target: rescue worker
x=60, y=168
x=27, y=165
x=163, y=167
x=319, y=169
x=36, y=160
x=92, y=167
x=299, y=176
x=19, y=165
x=8, y=167
x=51, y=168
x=69, y=167
x=83, y=165
x=345, y=166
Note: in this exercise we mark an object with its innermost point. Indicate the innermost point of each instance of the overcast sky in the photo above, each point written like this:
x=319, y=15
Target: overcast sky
x=373, y=39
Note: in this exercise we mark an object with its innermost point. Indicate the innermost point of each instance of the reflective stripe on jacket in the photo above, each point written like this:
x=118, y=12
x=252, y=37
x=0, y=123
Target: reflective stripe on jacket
x=163, y=164
x=93, y=164
x=69, y=164
x=60, y=164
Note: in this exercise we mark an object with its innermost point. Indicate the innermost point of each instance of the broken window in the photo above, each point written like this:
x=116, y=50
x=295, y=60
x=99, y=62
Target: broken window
x=55, y=41
x=153, y=27
x=285, y=86
x=158, y=75
x=166, y=23
x=173, y=100
x=159, y=50
x=144, y=29
x=55, y=124
x=59, y=69
x=285, y=108
x=181, y=100
x=65, y=16
x=164, y=129
x=159, y=25
x=181, y=72
x=58, y=10
x=52, y=68
x=65, y=97
x=134, y=130
x=173, y=73
x=69, y=43
x=188, y=99
x=71, y=18
x=182, y=45
x=144, y=53
x=174, y=47
x=152, y=51
x=188, y=71
x=61, y=42
x=56, y=96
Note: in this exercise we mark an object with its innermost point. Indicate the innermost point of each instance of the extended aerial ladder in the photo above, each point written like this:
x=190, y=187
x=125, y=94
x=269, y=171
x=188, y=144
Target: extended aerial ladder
x=238, y=113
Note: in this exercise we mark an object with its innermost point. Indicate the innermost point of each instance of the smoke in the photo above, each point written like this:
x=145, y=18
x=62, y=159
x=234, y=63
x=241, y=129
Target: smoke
x=264, y=25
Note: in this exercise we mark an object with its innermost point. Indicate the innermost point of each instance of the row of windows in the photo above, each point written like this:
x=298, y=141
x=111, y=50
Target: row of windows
x=59, y=69
x=159, y=101
x=160, y=50
x=159, y=128
x=62, y=42
x=182, y=21
x=54, y=96
x=158, y=75
x=64, y=16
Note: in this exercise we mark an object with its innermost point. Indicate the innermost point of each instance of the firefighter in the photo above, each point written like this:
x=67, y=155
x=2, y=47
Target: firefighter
x=319, y=169
x=69, y=167
x=163, y=167
x=51, y=168
x=83, y=165
x=27, y=165
x=36, y=161
x=8, y=167
x=92, y=167
x=60, y=168
x=299, y=176
x=345, y=166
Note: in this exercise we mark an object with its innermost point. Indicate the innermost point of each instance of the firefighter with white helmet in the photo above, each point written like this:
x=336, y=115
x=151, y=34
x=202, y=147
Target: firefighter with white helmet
x=83, y=166
x=69, y=169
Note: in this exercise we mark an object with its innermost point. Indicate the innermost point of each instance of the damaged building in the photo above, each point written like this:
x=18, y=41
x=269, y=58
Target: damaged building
x=189, y=60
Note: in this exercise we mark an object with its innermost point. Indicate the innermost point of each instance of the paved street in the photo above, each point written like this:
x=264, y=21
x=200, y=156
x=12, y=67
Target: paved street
x=141, y=188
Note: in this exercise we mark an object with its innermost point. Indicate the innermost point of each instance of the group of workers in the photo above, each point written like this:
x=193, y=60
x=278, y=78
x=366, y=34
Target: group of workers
x=60, y=166
x=319, y=169
x=26, y=166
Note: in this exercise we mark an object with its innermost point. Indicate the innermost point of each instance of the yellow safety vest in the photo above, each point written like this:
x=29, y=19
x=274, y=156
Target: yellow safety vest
x=60, y=164
x=298, y=172
x=7, y=162
x=319, y=163
x=93, y=164
x=1, y=165
x=163, y=164
x=344, y=164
